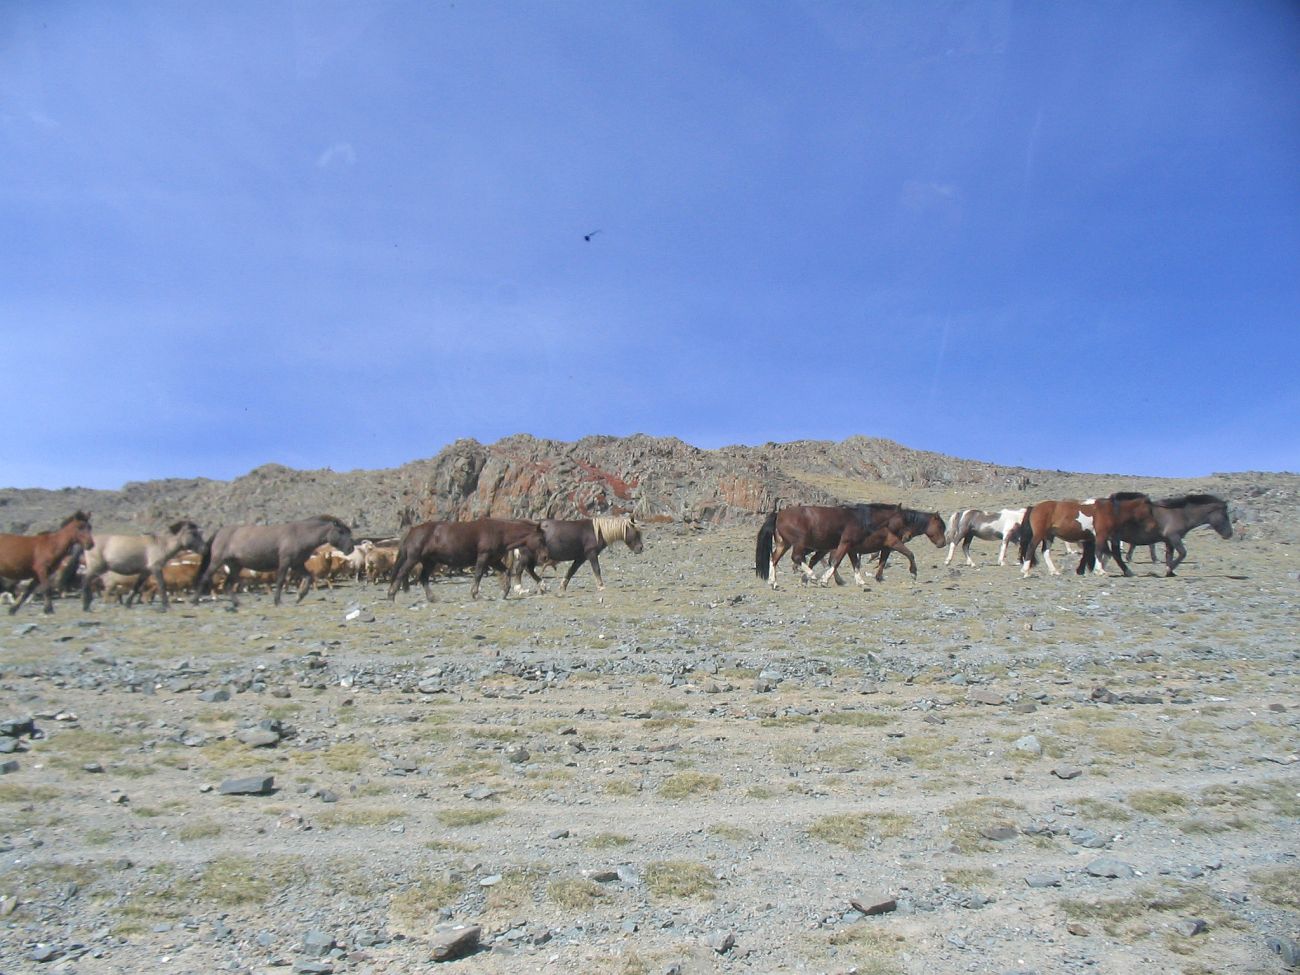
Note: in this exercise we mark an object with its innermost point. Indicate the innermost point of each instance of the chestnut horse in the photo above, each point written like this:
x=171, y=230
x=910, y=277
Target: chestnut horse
x=35, y=557
x=801, y=529
x=483, y=544
x=1097, y=524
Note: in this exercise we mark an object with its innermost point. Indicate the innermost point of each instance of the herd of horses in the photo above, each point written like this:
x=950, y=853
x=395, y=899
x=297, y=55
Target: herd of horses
x=1100, y=526
x=510, y=547
x=282, y=551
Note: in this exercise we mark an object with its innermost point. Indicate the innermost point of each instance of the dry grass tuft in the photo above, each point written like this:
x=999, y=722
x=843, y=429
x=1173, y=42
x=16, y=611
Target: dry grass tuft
x=680, y=879
x=853, y=830
x=683, y=785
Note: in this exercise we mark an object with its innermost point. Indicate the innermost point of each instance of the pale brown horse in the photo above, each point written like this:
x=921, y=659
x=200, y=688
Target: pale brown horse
x=35, y=557
x=144, y=555
x=1098, y=524
x=269, y=548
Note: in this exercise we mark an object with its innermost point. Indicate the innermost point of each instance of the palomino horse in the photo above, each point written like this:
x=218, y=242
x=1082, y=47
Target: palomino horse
x=483, y=544
x=1096, y=524
x=818, y=529
x=1175, y=517
x=138, y=554
x=35, y=557
x=267, y=548
x=581, y=541
x=971, y=523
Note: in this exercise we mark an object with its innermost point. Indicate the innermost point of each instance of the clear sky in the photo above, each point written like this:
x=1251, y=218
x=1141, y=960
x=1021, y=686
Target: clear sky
x=343, y=235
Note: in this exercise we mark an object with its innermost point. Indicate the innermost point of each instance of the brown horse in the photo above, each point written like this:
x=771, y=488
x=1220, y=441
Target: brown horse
x=1175, y=517
x=483, y=544
x=267, y=548
x=581, y=541
x=35, y=557
x=1097, y=524
x=801, y=529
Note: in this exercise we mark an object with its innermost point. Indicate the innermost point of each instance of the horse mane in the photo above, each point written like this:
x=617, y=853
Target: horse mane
x=339, y=522
x=78, y=516
x=1129, y=496
x=1183, y=500
x=611, y=528
x=916, y=520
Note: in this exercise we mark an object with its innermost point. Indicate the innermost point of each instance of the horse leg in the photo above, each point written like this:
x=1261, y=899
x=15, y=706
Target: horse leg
x=898, y=546
x=480, y=567
x=158, y=581
x=855, y=559
x=797, y=556
x=1047, y=555
x=231, y=588
x=304, y=587
x=834, y=560
x=574, y=566
x=426, y=572
x=1088, y=559
x=595, y=567
x=884, y=558
x=952, y=550
x=87, y=591
x=965, y=549
x=1173, y=561
x=31, y=587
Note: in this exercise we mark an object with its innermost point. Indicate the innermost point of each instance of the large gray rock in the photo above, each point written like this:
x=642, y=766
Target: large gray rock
x=252, y=785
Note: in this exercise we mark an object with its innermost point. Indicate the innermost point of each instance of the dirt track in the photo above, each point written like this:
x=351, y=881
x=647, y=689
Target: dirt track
x=747, y=761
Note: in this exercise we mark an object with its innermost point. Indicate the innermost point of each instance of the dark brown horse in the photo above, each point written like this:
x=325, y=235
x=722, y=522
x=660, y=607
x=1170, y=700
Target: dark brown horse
x=1175, y=517
x=851, y=531
x=482, y=544
x=35, y=557
x=580, y=541
x=1096, y=523
x=269, y=548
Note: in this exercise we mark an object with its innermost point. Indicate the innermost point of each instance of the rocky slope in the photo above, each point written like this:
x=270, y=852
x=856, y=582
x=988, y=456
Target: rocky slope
x=661, y=479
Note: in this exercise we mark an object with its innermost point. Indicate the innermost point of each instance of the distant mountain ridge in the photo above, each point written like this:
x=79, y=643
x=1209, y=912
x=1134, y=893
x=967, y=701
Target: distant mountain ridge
x=660, y=479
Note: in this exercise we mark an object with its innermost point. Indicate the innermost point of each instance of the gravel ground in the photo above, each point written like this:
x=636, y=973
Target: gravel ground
x=687, y=772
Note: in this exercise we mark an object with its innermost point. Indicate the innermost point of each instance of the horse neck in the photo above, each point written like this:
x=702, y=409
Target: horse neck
x=65, y=538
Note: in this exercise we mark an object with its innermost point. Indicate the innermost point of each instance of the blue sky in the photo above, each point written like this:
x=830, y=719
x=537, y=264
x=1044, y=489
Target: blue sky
x=343, y=235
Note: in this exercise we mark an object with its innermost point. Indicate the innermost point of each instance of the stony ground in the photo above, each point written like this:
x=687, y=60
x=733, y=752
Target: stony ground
x=687, y=773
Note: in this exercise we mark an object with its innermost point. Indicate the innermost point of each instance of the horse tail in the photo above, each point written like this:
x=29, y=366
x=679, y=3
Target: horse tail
x=763, y=547
x=1026, y=535
x=205, y=560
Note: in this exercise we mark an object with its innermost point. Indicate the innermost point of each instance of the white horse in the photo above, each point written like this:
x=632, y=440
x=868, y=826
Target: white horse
x=971, y=523
x=143, y=554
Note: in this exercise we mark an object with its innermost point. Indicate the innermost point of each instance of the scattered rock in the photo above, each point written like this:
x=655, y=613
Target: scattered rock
x=721, y=941
x=1111, y=868
x=998, y=833
x=871, y=904
x=253, y=785
x=1067, y=772
x=984, y=695
x=1039, y=880
x=1189, y=927
x=1029, y=745
x=455, y=942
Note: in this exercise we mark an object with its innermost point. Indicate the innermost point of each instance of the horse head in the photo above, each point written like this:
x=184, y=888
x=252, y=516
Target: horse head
x=339, y=535
x=80, y=523
x=188, y=535
x=632, y=535
x=1218, y=519
x=936, y=531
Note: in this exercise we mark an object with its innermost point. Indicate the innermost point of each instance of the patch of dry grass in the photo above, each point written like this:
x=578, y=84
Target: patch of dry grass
x=684, y=785
x=680, y=880
x=853, y=830
x=468, y=816
x=575, y=893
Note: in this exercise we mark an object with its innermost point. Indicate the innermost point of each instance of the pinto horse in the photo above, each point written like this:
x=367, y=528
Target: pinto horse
x=1096, y=523
x=141, y=556
x=269, y=548
x=1174, y=518
x=35, y=557
x=971, y=523
x=581, y=541
x=482, y=544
